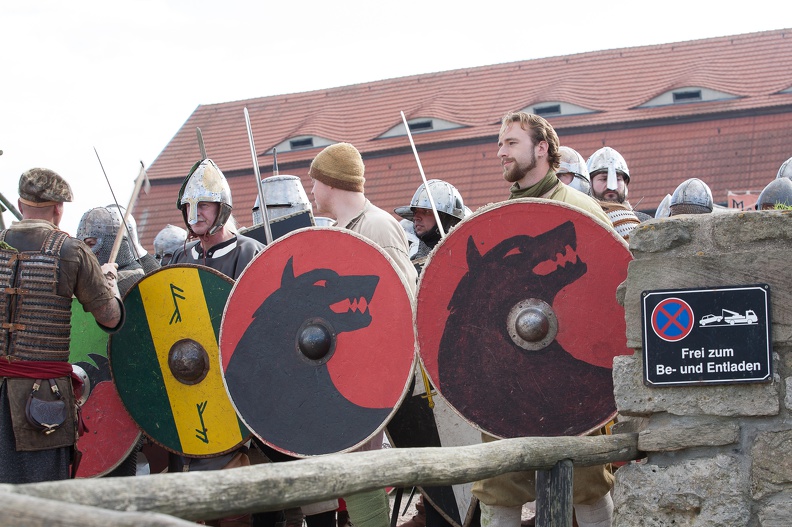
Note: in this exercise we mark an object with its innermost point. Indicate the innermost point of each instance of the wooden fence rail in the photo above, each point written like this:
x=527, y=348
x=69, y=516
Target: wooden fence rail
x=274, y=486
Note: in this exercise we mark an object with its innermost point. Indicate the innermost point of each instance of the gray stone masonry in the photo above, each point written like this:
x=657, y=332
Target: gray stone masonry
x=716, y=454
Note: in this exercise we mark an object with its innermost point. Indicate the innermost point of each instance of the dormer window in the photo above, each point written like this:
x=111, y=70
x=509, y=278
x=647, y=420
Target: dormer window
x=300, y=142
x=556, y=109
x=686, y=96
x=420, y=125
x=297, y=144
x=550, y=109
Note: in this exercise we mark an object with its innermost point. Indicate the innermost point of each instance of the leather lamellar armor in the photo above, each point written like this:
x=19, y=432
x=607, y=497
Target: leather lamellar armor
x=36, y=322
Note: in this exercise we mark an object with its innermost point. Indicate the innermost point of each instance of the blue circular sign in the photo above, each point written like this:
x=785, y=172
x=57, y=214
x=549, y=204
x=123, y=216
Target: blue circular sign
x=672, y=319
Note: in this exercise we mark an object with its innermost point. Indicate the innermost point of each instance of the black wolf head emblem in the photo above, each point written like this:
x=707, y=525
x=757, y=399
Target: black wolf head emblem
x=497, y=382
x=341, y=300
x=278, y=392
x=523, y=266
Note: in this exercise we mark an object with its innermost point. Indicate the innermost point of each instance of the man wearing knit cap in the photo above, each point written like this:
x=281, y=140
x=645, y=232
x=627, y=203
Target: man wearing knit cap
x=337, y=174
x=41, y=269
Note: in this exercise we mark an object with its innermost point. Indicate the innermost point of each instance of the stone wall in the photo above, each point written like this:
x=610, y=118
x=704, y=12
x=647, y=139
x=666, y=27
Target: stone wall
x=716, y=455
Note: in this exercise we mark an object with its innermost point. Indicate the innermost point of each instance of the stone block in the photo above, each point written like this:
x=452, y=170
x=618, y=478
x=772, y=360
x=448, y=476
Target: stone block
x=771, y=470
x=667, y=433
x=700, y=492
x=777, y=511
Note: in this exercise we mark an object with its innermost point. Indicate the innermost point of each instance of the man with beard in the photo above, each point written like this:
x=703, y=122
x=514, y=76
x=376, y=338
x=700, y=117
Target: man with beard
x=610, y=178
x=529, y=153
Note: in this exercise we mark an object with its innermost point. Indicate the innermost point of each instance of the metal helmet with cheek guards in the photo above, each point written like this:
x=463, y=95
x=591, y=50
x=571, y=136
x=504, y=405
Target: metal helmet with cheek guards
x=573, y=163
x=446, y=198
x=168, y=241
x=205, y=182
x=606, y=158
x=692, y=196
x=786, y=170
x=777, y=192
x=284, y=196
x=663, y=209
x=103, y=224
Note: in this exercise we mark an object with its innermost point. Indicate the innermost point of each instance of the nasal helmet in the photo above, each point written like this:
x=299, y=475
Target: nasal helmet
x=204, y=182
x=606, y=158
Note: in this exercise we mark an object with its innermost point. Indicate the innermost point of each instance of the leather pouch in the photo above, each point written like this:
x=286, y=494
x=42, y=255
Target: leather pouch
x=29, y=416
x=45, y=415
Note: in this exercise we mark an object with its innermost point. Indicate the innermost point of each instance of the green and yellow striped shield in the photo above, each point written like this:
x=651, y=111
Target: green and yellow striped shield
x=165, y=361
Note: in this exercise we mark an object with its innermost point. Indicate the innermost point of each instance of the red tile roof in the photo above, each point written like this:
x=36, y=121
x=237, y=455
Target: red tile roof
x=733, y=144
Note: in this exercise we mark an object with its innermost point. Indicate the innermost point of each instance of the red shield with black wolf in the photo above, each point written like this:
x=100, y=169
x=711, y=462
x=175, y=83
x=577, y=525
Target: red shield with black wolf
x=317, y=342
x=518, y=321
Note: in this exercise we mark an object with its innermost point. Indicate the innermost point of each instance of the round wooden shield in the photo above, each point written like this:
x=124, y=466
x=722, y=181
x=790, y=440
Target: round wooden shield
x=518, y=321
x=317, y=342
x=111, y=433
x=165, y=361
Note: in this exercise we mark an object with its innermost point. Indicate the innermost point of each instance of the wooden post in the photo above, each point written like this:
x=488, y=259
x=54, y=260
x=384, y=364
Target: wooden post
x=554, y=495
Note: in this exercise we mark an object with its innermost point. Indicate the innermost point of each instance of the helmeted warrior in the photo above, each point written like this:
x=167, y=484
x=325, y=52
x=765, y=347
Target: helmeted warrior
x=610, y=178
x=167, y=242
x=663, y=209
x=284, y=196
x=41, y=269
x=572, y=170
x=692, y=196
x=205, y=202
x=785, y=171
x=777, y=194
x=98, y=228
x=147, y=261
x=450, y=208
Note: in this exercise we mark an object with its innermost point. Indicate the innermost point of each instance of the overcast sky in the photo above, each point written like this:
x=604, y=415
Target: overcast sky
x=123, y=77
